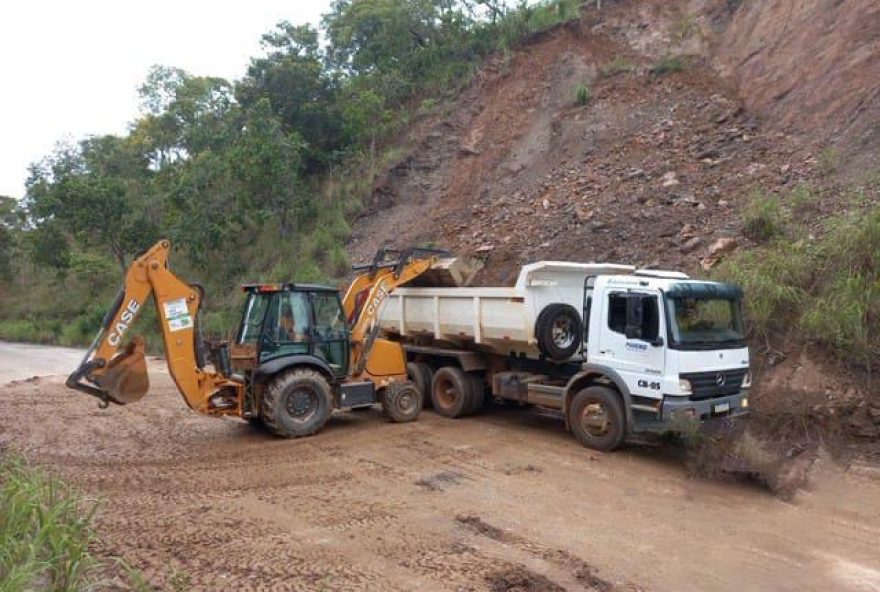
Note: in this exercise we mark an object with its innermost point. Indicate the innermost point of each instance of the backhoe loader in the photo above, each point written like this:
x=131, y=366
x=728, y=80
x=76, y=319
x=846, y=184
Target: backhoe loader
x=300, y=352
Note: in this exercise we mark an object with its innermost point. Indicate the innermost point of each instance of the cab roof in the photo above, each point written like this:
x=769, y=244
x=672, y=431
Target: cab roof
x=270, y=287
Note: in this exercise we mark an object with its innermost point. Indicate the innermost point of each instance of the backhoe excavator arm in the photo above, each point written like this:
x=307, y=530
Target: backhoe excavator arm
x=117, y=374
x=363, y=300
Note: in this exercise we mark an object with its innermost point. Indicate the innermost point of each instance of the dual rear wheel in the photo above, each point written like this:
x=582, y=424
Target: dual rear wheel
x=455, y=393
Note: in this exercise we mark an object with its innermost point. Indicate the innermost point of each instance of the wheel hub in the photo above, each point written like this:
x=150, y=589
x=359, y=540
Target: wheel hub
x=300, y=404
x=406, y=401
x=594, y=419
x=563, y=332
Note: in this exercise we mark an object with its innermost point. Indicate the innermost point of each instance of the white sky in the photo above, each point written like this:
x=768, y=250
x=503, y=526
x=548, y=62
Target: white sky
x=72, y=67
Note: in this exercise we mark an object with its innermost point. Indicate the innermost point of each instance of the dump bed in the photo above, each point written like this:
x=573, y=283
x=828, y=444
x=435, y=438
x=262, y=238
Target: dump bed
x=500, y=320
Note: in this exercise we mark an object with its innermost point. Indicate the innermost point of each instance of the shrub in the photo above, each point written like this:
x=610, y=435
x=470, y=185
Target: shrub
x=619, y=65
x=582, y=94
x=668, y=65
x=829, y=161
x=762, y=217
x=773, y=282
x=45, y=531
x=828, y=289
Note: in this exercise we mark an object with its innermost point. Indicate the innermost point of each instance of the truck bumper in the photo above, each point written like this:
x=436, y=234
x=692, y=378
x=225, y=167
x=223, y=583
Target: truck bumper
x=675, y=412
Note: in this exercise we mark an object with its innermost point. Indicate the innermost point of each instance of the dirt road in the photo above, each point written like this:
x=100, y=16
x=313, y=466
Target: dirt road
x=22, y=360
x=503, y=501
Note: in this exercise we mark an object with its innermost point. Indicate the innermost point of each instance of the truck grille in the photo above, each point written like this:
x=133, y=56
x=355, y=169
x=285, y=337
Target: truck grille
x=706, y=384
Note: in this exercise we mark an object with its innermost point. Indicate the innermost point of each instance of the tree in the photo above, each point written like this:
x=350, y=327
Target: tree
x=293, y=79
x=97, y=194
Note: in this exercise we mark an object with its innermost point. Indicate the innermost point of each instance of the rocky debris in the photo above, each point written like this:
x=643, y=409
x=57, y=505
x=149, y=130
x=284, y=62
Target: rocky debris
x=654, y=169
x=723, y=245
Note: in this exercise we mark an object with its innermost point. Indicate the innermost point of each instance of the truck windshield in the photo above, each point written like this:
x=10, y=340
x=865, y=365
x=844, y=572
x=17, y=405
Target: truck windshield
x=705, y=323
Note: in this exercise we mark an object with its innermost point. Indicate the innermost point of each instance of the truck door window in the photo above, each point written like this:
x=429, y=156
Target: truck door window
x=650, y=315
x=617, y=312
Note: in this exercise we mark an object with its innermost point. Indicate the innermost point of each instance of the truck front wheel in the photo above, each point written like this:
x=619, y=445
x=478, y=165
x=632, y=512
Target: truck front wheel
x=297, y=403
x=597, y=419
x=451, y=392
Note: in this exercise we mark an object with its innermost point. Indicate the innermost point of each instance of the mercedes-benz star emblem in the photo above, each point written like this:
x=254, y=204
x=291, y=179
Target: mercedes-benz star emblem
x=720, y=379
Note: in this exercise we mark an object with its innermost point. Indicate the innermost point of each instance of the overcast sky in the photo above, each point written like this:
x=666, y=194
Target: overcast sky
x=72, y=67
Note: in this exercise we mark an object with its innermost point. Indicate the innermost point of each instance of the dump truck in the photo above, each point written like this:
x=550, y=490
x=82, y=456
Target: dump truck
x=620, y=352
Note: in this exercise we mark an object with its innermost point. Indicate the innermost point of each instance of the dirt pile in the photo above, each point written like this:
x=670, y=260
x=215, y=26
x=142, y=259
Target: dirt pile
x=653, y=169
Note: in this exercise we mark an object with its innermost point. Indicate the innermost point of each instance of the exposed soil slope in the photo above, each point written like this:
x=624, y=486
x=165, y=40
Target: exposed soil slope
x=659, y=162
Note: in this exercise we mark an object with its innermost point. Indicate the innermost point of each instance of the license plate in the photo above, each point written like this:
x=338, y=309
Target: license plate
x=721, y=408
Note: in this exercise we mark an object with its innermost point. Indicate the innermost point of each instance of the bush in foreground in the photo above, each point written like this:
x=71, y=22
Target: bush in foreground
x=45, y=531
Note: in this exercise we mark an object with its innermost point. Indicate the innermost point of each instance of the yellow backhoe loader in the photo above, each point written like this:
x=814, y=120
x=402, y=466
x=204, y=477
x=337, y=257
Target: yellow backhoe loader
x=301, y=351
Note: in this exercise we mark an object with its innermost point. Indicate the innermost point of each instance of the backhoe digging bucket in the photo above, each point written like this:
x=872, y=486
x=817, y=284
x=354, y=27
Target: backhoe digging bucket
x=125, y=379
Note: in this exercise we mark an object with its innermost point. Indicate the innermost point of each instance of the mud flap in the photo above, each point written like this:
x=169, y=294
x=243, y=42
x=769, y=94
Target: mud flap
x=126, y=379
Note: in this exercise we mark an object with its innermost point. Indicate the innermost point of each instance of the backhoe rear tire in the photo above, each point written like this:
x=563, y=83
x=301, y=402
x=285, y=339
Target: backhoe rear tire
x=401, y=403
x=451, y=392
x=421, y=374
x=297, y=403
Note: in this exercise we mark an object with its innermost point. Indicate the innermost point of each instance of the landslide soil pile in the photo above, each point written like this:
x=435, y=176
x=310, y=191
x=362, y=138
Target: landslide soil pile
x=691, y=107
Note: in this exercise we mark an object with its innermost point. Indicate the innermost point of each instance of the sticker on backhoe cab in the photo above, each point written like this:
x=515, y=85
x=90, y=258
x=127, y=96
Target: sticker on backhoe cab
x=177, y=314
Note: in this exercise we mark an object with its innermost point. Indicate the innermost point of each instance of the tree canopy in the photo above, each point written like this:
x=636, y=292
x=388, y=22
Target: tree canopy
x=253, y=178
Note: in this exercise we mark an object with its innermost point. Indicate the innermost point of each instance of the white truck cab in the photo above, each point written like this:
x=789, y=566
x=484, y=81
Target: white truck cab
x=677, y=344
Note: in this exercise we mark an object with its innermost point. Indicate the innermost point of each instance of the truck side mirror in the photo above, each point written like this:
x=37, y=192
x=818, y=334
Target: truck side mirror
x=634, y=316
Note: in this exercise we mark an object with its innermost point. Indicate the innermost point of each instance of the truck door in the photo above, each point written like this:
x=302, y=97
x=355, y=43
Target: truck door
x=630, y=339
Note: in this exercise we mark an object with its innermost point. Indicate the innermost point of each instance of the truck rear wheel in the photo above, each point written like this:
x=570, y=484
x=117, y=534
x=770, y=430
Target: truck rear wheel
x=401, y=402
x=476, y=394
x=559, y=331
x=421, y=375
x=297, y=403
x=597, y=419
x=450, y=392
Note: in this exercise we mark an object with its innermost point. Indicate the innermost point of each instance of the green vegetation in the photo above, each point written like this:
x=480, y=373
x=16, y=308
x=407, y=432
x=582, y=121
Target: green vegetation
x=825, y=288
x=582, y=94
x=829, y=161
x=762, y=217
x=252, y=180
x=44, y=532
x=668, y=65
x=619, y=65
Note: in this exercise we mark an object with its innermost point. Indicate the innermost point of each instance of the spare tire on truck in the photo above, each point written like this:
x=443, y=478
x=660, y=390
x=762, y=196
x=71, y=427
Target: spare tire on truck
x=559, y=331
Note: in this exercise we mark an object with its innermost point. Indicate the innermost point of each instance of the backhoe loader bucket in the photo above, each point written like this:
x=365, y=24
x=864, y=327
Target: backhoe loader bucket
x=125, y=379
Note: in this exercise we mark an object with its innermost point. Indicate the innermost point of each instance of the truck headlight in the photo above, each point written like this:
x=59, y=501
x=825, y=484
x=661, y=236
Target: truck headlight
x=747, y=380
x=684, y=386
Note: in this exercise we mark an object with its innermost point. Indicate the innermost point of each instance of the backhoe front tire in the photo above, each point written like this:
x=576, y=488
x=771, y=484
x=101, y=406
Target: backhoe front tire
x=401, y=403
x=297, y=403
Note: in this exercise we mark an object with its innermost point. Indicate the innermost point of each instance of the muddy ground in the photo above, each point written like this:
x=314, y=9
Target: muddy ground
x=502, y=501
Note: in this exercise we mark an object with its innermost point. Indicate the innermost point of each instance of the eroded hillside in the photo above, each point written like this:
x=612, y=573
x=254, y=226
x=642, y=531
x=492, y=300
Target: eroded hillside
x=691, y=106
